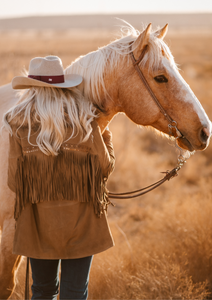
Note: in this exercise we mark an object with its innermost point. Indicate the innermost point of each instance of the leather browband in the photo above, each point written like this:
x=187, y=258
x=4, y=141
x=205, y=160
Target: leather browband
x=49, y=79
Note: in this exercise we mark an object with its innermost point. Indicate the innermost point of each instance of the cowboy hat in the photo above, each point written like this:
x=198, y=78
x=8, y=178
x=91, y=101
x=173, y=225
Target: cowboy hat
x=46, y=72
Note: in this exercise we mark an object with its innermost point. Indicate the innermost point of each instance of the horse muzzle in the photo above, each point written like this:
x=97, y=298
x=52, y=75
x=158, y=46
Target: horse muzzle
x=203, y=138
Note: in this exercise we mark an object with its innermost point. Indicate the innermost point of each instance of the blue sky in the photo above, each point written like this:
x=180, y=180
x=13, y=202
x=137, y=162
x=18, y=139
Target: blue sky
x=19, y=8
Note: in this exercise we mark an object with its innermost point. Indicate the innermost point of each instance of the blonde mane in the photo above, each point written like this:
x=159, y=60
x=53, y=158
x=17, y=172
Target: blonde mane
x=93, y=65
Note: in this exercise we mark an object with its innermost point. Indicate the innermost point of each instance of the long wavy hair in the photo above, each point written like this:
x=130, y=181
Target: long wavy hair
x=53, y=110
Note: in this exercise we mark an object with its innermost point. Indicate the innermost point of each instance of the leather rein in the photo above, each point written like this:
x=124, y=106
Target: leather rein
x=172, y=125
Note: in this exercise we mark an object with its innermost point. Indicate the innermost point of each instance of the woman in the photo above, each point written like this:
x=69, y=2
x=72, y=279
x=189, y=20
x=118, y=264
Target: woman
x=59, y=163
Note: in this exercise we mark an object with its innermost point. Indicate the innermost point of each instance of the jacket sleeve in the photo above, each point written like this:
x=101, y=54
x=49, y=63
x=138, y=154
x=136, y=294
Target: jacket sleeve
x=15, y=152
x=107, y=137
x=104, y=149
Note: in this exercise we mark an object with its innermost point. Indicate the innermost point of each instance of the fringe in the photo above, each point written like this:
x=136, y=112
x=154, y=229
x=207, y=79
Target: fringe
x=71, y=175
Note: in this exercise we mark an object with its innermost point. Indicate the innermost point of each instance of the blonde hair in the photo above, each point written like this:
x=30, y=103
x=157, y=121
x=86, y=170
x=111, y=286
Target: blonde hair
x=53, y=109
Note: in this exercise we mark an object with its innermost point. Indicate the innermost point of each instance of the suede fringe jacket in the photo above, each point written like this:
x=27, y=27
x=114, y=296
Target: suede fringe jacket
x=79, y=172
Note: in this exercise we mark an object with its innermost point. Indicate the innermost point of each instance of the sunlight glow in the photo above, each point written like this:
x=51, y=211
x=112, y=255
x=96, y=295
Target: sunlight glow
x=14, y=8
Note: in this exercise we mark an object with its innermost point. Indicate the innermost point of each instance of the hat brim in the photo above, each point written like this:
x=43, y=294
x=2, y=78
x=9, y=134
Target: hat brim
x=23, y=82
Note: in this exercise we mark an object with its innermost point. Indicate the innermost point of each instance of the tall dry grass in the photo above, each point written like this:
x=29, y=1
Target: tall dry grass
x=163, y=239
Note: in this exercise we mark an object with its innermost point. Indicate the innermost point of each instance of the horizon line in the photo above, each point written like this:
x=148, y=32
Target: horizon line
x=101, y=13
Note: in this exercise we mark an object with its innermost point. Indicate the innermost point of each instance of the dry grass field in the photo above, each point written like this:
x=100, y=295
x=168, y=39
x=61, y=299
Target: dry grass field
x=163, y=239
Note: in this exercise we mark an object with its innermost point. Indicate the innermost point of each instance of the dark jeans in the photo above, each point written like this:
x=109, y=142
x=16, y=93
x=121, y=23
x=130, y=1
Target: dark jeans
x=73, y=280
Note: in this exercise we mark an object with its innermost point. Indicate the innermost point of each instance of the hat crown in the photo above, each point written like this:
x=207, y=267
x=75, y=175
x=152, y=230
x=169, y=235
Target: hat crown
x=46, y=66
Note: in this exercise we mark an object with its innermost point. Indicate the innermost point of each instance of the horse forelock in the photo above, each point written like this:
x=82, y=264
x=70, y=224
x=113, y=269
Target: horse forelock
x=93, y=65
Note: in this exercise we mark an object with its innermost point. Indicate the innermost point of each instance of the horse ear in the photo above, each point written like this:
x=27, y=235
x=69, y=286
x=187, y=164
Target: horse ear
x=141, y=41
x=161, y=33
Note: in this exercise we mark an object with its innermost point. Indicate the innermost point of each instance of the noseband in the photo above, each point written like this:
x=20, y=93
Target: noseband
x=172, y=125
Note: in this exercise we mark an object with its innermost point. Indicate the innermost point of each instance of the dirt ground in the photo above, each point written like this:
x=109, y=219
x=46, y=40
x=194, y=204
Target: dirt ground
x=164, y=239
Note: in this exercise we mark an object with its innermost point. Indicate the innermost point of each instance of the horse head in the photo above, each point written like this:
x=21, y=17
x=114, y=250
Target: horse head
x=113, y=84
x=171, y=90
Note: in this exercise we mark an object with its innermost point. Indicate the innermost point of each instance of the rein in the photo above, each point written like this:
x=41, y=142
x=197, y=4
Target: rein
x=172, y=125
x=149, y=188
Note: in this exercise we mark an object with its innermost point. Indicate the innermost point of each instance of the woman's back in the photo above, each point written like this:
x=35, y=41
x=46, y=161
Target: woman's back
x=59, y=163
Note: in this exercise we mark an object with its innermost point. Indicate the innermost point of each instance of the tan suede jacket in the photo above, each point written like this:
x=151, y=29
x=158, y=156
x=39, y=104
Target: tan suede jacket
x=79, y=172
x=59, y=199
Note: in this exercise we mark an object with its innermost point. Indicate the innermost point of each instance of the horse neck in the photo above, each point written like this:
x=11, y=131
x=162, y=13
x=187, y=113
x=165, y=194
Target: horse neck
x=101, y=70
x=109, y=96
x=109, y=103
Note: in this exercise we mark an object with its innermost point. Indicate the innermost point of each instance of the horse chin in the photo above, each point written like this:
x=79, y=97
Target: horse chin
x=185, y=144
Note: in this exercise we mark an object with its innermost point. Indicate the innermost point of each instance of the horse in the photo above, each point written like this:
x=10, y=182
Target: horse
x=112, y=83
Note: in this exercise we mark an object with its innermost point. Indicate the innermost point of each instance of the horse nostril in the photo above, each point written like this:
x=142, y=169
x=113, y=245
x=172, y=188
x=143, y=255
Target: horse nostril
x=204, y=135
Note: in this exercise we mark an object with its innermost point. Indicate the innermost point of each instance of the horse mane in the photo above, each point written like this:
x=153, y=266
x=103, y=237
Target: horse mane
x=93, y=65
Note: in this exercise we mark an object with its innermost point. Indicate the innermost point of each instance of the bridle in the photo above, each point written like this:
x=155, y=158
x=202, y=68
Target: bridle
x=172, y=125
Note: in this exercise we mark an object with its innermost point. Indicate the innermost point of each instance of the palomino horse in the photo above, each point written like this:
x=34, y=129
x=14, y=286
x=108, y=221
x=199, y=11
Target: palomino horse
x=112, y=83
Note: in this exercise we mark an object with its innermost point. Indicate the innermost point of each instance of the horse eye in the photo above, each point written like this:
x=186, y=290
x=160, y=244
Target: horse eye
x=160, y=78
